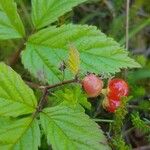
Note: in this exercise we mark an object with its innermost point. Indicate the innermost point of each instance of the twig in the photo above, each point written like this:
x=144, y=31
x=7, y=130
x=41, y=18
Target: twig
x=26, y=13
x=103, y=120
x=16, y=55
x=46, y=91
x=41, y=87
x=42, y=100
x=61, y=83
x=127, y=31
x=127, y=23
x=34, y=85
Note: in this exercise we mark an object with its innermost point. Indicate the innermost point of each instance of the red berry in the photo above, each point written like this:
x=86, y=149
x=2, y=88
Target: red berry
x=92, y=85
x=112, y=105
x=117, y=88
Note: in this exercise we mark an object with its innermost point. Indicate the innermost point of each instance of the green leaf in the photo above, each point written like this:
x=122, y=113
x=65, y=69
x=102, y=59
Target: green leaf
x=47, y=11
x=74, y=59
x=72, y=95
x=10, y=23
x=71, y=129
x=48, y=48
x=16, y=98
x=20, y=134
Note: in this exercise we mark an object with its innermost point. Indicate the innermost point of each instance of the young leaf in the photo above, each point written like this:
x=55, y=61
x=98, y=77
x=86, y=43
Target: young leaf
x=10, y=23
x=49, y=47
x=20, y=134
x=73, y=96
x=66, y=128
x=47, y=11
x=74, y=59
x=16, y=98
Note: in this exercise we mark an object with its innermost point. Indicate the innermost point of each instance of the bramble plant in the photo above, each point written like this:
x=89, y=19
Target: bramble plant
x=59, y=56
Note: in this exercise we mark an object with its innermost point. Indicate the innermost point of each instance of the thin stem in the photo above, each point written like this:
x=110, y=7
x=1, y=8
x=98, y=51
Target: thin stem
x=16, y=55
x=61, y=83
x=127, y=23
x=41, y=87
x=34, y=85
x=42, y=100
x=26, y=13
x=46, y=89
x=103, y=120
x=127, y=31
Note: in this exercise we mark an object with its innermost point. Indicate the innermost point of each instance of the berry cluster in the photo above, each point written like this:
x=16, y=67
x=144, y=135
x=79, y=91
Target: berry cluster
x=117, y=88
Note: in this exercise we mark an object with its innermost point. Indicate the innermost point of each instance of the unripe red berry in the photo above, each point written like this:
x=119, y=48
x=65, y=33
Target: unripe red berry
x=117, y=88
x=92, y=85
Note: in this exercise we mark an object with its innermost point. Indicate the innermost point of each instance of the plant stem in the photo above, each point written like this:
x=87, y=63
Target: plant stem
x=16, y=55
x=26, y=13
x=127, y=23
x=103, y=120
x=61, y=84
x=127, y=31
x=42, y=100
x=34, y=85
x=47, y=88
x=41, y=87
